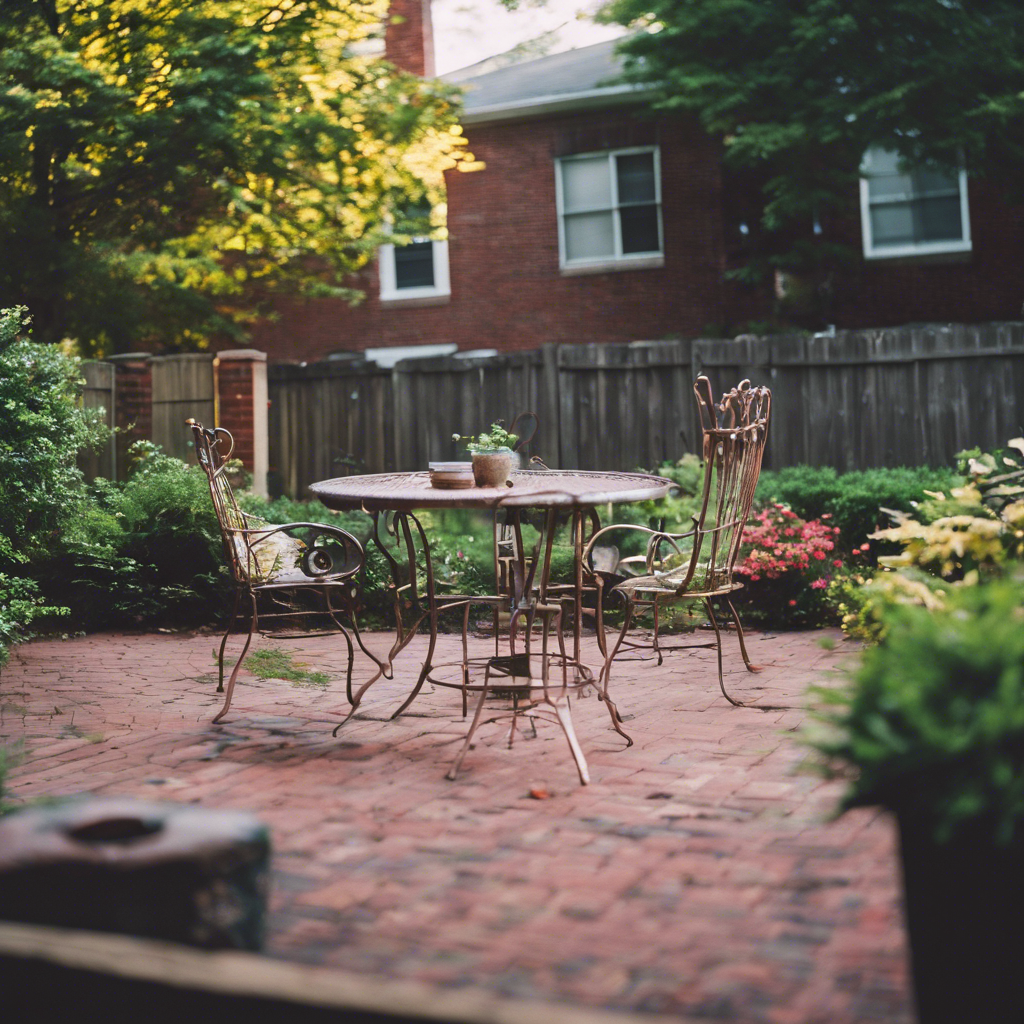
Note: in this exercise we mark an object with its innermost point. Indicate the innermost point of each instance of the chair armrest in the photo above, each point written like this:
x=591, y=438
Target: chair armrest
x=317, y=561
x=655, y=538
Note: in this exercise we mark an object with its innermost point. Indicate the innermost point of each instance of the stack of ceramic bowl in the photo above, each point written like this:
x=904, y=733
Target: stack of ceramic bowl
x=451, y=475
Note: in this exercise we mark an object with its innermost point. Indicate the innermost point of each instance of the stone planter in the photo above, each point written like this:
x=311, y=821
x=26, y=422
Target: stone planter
x=491, y=469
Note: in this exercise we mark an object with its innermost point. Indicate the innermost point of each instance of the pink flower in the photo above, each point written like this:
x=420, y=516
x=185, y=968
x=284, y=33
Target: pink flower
x=865, y=547
x=792, y=603
x=819, y=584
x=837, y=562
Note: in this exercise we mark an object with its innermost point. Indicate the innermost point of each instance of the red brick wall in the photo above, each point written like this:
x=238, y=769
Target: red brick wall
x=234, y=379
x=507, y=292
x=409, y=37
x=133, y=413
x=988, y=284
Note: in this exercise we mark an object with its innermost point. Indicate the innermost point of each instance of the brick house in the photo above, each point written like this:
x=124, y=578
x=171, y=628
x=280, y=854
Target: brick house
x=592, y=220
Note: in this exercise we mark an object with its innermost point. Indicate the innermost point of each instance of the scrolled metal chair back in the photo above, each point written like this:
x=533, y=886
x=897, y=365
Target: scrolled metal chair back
x=734, y=434
x=213, y=461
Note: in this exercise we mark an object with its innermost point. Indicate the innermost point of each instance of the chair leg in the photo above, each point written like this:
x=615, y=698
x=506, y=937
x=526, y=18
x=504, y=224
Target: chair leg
x=224, y=640
x=616, y=718
x=657, y=624
x=238, y=664
x=565, y=721
x=739, y=634
x=718, y=646
x=454, y=770
x=606, y=671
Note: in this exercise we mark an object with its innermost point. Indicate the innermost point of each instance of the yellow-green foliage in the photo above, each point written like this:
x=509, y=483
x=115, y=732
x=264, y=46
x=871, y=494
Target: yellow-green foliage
x=952, y=539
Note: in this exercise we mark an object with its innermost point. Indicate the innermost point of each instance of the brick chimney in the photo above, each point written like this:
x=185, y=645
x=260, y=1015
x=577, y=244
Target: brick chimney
x=409, y=37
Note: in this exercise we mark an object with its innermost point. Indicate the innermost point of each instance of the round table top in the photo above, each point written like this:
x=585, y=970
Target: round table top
x=552, y=488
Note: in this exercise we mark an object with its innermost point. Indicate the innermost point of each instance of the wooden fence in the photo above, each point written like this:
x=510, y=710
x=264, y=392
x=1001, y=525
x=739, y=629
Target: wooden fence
x=904, y=396
x=98, y=392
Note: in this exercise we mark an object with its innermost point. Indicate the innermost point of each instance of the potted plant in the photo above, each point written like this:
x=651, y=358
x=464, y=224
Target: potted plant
x=492, y=455
x=933, y=726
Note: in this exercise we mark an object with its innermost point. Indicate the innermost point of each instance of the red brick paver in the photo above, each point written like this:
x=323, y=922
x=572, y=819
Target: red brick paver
x=697, y=876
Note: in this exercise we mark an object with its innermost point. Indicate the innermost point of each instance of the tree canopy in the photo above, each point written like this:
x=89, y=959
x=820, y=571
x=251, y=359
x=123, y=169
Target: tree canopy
x=798, y=90
x=166, y=163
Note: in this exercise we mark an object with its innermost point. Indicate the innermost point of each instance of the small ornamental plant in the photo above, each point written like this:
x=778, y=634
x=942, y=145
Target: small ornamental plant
x=497, y=439
x=787, y=566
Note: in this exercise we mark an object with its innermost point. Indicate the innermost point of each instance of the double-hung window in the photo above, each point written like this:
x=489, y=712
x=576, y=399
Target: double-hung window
x=609, y=209
x=417, y=270
x=915, y=211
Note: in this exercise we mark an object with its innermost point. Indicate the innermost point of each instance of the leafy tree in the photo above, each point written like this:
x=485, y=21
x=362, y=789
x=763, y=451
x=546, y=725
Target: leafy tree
x=165, y=163
x=798, y=90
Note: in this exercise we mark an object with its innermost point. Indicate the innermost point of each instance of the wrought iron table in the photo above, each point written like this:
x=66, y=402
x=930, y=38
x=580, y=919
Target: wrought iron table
x=545, y=498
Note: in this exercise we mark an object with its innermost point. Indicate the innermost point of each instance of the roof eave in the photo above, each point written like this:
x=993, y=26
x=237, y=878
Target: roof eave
x=611, y=96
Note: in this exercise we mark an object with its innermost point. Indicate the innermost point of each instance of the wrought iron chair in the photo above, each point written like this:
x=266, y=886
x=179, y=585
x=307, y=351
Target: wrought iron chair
x=699, y=564
x=276, y=565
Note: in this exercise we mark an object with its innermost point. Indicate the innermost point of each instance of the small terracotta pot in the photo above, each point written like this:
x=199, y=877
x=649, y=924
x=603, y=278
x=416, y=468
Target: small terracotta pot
x=491, y=469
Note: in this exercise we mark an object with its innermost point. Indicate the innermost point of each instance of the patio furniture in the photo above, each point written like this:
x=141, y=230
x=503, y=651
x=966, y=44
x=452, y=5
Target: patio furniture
x=538, y=684
x=301, y=571
x=547, y=498
x=700, y=564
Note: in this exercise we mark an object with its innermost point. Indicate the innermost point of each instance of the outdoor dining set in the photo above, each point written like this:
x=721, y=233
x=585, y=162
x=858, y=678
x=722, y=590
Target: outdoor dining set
x=534, y=665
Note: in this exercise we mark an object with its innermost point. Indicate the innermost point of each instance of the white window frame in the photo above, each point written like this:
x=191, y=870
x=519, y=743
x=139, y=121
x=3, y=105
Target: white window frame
x=439, y=292
x=618, y=260
x=882, y=252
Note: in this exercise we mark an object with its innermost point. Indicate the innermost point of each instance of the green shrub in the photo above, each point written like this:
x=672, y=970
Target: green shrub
x=42, y=429
x=852, y=500
x=20, y=604
x=144, y=552
x=934, y=720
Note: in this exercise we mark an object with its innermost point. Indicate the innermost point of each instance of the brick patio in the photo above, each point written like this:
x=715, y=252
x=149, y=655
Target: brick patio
x=698, y=876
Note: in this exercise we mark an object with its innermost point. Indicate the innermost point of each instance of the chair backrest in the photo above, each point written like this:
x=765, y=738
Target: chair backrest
x=735, y=431
x=212, y=458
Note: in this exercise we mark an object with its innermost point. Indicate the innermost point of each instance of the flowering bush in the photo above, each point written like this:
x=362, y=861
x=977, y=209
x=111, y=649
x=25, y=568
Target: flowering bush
x=787, y=566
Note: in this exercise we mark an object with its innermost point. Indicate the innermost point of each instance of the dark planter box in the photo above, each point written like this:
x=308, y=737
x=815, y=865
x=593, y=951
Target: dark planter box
x=964, y=904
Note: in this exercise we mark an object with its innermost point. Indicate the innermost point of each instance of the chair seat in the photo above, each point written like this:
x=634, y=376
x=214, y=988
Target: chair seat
x=295, y=577
x=657, y=586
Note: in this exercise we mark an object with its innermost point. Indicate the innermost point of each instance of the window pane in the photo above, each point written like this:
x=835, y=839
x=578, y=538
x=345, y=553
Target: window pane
x=414, y=265
x=930, y=180
x=881, y=161
x=589, y=236
x=892, y=224
x=938, y=220
x=636, y=177
x=586, y=184
x=887, y=185
x=639, y=229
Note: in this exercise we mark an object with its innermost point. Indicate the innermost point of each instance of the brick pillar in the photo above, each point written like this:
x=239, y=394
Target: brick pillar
x=133, y=403
x=240, y=377
x=409, y=37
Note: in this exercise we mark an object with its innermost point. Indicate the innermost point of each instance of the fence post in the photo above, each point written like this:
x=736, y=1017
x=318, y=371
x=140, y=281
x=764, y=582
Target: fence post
x=133, y=411
x=240, y=394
